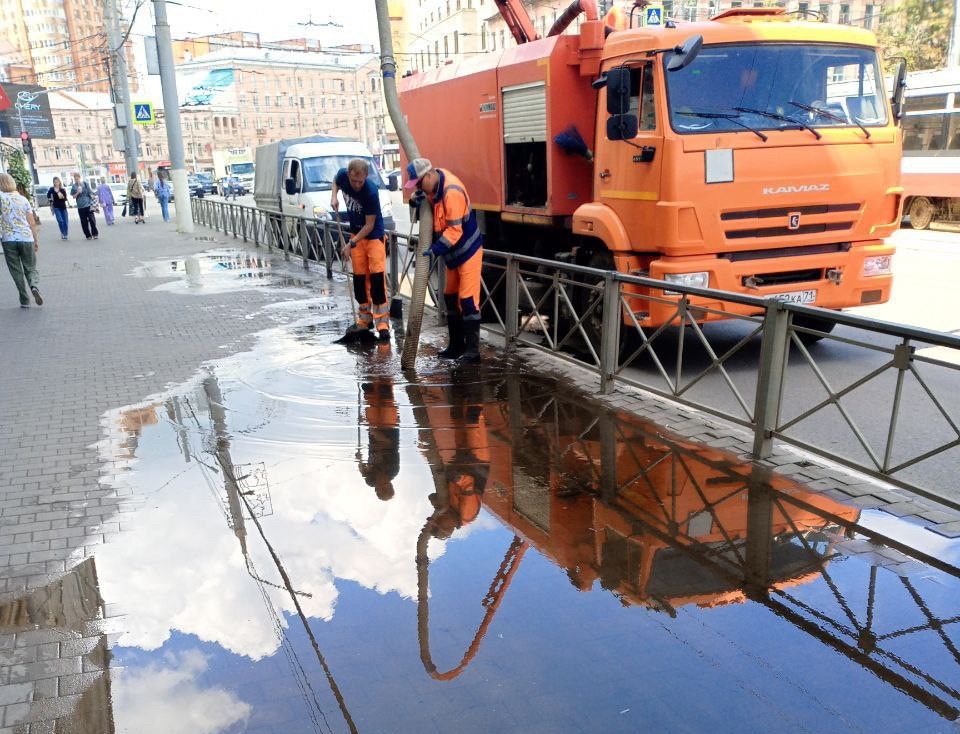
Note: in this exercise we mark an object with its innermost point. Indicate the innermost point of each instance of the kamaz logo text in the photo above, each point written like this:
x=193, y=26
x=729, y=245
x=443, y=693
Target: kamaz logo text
x=795, y=189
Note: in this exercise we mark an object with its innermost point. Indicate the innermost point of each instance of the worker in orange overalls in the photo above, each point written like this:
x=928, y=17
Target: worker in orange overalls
x=459, y=431
x=366, y=247
x=457, y=239
x=383, y=436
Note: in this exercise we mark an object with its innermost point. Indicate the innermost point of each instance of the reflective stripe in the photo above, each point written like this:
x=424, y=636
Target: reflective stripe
x=456, y=222
x=445, y=242
x=463, y=247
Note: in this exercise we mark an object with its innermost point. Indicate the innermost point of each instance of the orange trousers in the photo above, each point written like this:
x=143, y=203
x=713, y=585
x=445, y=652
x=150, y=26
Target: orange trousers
x=462, y=291
x=369, y=259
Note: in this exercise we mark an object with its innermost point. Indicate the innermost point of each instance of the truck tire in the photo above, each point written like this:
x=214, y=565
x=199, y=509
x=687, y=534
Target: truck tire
x=822, y=326
x=921, y=212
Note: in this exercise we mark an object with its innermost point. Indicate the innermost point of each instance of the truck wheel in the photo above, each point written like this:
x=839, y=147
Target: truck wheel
x=601, y=259
x=822, y=326
x=921, y=212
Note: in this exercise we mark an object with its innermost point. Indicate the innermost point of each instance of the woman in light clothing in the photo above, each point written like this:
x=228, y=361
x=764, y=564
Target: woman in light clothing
x=18, y=233
x=105, y=195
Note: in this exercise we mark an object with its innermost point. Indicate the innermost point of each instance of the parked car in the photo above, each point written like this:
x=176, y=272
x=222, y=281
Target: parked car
x=197, y=188
x=206, y=180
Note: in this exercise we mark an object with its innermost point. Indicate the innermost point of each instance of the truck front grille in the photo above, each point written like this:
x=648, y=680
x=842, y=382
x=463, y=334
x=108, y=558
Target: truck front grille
x=783, y=211
x=815, y=228
x=792, y=276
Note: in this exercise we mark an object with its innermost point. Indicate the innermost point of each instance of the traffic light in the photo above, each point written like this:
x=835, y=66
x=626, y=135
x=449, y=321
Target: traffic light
x=26, y=143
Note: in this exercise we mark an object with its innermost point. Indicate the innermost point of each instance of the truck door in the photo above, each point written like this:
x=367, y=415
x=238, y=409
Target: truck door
x=292, y=202
x=628, y=171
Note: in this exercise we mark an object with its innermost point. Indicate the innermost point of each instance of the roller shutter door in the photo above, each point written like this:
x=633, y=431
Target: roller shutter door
x=525, y=113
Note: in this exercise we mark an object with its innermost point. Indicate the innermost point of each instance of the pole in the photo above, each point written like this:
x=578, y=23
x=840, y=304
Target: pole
x=171, y=109
x=953, y=54
x=388, y=67
x=120, y=85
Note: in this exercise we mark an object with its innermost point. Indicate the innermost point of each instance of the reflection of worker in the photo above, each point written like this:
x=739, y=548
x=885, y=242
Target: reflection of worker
x=460, y=433
x=366, y=246
x=457, y=239
x=383, y=437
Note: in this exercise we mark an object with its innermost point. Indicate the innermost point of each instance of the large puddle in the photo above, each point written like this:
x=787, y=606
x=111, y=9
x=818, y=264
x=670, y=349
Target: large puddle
x=220, y=270
x=327, y=546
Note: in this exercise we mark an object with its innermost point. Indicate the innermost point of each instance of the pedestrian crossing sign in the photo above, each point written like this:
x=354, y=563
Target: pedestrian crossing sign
x=143, y=113
x=653, y=16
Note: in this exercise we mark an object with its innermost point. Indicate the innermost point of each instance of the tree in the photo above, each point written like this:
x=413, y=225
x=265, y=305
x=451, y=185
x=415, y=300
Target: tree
x=18, y=169
x=918, y=30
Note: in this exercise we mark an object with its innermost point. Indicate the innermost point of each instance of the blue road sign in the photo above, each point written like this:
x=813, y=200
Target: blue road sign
x=143, y=113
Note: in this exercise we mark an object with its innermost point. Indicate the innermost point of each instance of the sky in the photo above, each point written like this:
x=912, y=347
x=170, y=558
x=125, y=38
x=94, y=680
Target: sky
x=356, y=19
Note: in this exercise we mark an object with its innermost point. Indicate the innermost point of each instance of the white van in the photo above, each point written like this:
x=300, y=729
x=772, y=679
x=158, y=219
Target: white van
x=304, y=175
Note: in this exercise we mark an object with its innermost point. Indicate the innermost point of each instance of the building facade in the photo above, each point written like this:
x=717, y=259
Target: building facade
x=58, y=43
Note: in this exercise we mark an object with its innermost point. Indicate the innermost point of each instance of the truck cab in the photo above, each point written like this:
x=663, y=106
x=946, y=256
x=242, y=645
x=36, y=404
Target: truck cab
x=767, y=164
x=307, y=176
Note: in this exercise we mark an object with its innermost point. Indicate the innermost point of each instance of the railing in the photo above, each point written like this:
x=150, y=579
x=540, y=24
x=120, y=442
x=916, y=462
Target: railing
x=877, y=397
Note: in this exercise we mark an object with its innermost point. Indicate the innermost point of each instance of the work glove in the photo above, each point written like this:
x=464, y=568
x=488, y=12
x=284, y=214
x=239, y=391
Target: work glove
x=437, y=248
x=415, y=200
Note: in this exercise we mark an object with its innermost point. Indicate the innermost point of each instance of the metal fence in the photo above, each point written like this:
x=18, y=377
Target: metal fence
x=877, y=397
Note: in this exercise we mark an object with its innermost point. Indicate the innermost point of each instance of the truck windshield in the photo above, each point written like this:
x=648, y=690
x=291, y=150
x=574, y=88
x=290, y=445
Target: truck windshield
x=774, y=86
x=319, y=172
x=241, y=169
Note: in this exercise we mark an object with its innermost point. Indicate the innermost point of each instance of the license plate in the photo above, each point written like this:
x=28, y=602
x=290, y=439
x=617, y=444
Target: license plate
x=796, y=296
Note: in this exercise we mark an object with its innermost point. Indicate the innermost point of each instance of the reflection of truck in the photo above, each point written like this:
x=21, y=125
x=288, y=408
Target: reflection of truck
x=295, y=176
x=732, y=165
x=236, y=163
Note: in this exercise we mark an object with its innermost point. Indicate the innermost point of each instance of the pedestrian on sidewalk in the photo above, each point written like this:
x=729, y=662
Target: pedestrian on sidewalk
x=135, y=198
x=457, y=239
x=57, y=196
x=18, y=234
x=105, y=195
x=162, y=191
x=366, y=247
x=82, y=194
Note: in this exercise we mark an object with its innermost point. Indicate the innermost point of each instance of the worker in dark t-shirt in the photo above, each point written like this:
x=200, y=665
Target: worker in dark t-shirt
x=366, y=247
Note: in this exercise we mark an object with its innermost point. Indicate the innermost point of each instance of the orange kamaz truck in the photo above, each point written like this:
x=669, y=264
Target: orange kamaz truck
x=756, y=152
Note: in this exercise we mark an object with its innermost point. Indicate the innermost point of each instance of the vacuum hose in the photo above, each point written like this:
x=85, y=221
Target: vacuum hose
x=569, y=15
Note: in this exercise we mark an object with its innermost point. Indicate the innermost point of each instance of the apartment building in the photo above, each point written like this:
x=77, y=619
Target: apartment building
x=57, y=43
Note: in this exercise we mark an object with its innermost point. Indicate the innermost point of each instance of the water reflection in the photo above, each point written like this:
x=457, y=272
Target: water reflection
x=330, y=545
x=219, y=271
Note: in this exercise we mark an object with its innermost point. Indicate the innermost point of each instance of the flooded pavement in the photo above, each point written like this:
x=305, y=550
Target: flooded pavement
x=220, y=270
x=322, y=544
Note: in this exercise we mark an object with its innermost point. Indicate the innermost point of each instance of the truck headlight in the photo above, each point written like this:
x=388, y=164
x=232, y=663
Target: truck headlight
x=692, y=280
x=320, y=213
x=877, y=265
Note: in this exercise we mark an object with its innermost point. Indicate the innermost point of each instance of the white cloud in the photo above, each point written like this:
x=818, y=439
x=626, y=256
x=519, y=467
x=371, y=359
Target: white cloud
x=160, y=699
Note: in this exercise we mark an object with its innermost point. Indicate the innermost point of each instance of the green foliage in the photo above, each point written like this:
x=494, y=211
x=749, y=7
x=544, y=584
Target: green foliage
x=17, y=168
x=918, y=30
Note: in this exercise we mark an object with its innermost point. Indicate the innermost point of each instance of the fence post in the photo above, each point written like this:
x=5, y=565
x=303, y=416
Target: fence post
x=774, y=350
x=285, y=237
x=305, y=242
x=511, y=309
x=610, y=332
x=243, y=223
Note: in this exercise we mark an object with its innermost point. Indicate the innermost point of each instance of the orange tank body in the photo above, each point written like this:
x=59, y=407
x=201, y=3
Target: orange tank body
x=802, y=215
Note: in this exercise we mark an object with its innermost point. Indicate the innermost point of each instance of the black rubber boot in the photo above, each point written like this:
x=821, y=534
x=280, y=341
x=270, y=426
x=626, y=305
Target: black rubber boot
x=471, y=336
x=455, y=348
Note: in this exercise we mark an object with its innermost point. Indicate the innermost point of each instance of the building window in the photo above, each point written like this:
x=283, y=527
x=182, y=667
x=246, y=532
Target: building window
x=844, y=14
x=456, y=42
x=868, y=17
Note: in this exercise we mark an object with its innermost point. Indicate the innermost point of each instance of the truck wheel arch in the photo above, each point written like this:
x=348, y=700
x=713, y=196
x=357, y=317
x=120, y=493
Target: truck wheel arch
x=598, y=221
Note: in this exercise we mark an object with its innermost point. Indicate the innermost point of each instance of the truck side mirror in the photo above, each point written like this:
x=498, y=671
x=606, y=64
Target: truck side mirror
x=290, y=186
x=899, y=88
x=684, y=55
x=618, y=90
x=622, y=127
